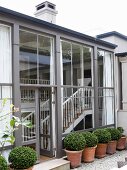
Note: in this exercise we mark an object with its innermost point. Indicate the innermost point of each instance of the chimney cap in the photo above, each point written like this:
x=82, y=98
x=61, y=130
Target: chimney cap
x=46, y=3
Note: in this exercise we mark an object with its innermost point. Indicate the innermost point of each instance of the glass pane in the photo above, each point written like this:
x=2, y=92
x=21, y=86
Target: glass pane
x=28, y=113
x=106, y=89
x=45, y=118
x=76, y=64
x=46, y=64
x=77, y=108
x=87, y=66
x=66, y=61
x=5, y=55
x=28, y=58
x=100, y=68
x=6, y=92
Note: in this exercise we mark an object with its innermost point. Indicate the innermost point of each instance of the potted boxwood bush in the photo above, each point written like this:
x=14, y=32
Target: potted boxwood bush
x=121, y=143
x=115, y=135
x=74, y=144
x=91, y=144
x=3, y=163
x=22, y=158
x=103, y=138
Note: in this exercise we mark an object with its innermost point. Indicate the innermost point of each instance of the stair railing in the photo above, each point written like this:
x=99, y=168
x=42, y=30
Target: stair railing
x=75, y=105
x=29, y=133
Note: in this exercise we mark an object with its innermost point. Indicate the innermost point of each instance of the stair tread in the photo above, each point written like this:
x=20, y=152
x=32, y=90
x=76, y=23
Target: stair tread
x=48, y=165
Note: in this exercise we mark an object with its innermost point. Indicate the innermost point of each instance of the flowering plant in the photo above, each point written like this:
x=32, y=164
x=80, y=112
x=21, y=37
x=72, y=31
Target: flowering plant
x=7, y=134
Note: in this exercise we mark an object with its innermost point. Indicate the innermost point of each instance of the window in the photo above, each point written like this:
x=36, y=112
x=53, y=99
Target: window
x=106, y=87
x=76, y=64
x=5, y=54
x=5, y=72
x=36, y=59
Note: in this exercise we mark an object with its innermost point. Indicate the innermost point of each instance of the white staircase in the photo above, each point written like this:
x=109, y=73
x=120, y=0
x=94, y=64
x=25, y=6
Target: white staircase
x=76, y=107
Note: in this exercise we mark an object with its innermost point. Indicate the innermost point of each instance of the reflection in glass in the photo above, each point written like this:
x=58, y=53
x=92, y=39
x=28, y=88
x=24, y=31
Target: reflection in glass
x=45, y=60
x=76, y=64
x=28, y=57
x=87, y=52
x=36, y=59
x=28, y=113
x=66, y=60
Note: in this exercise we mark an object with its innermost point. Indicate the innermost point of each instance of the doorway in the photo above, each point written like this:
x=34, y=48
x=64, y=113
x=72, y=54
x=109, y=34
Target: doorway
x=37, y=106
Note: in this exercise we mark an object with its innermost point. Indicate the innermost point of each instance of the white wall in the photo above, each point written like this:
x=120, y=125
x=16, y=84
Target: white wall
x=122, y=44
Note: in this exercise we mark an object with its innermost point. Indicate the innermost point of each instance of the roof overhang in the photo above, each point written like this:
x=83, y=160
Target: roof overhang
x=55, y=27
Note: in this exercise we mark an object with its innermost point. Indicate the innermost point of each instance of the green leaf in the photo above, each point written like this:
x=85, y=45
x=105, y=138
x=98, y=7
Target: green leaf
x=12, y=139
x=11, y=106
x=5, y=136
x=4, y=102
x=12, y=123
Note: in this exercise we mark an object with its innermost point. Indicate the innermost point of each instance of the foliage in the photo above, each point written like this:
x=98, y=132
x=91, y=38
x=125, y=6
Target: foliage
x=22, y=157
x=121, y=130
x=103, y=135
x=3, y=163
x=74, y=141
x=6, y=135
x=115, y=133
x=91, y=139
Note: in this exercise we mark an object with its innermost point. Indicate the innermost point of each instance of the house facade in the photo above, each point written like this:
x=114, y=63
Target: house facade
x=61, y=80
x=120, y=73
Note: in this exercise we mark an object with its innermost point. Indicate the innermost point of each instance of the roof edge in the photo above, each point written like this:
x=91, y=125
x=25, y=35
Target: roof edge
x=112, y=33
x=56, y=27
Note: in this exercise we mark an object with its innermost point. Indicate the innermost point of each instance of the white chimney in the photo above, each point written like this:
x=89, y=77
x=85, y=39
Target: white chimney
x=46, y=11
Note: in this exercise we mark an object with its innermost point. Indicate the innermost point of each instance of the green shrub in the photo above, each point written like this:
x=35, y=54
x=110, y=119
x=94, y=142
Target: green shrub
x=91, y=139
x=22, y=157
x=3, y=163
x=115, y=133
x=121, y=130
x=103, y=135
x=74, y=141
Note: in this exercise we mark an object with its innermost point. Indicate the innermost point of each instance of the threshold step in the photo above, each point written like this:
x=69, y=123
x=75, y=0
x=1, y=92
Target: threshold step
x=55, y=164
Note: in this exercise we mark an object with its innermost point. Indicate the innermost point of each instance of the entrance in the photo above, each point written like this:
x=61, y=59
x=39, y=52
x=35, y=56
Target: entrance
x=37, y=106
x=46, y=108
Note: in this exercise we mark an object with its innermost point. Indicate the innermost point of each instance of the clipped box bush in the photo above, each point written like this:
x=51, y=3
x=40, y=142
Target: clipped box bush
x=91, y=139
x=103, y=135
x=74, y=141
x=22, y=157
x=115, y=133
x=3, y=163
x=121, y=130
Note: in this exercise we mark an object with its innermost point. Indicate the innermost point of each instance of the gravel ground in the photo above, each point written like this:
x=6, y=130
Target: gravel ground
x=107, y=163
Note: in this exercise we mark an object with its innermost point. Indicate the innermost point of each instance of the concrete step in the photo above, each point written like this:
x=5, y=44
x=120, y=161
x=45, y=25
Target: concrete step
x=55, y=164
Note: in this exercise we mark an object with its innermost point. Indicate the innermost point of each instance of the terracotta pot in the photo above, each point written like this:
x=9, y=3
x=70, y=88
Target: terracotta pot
x=101, y=150
x=111, y=148
x=88, y=154
x=74, y=157
x=121, y=143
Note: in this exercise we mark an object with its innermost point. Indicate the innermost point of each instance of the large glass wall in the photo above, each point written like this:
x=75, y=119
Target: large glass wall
x=36, y=59
x=106, y=88
x=5, y=73
x=76, y=70
x=76, y=65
